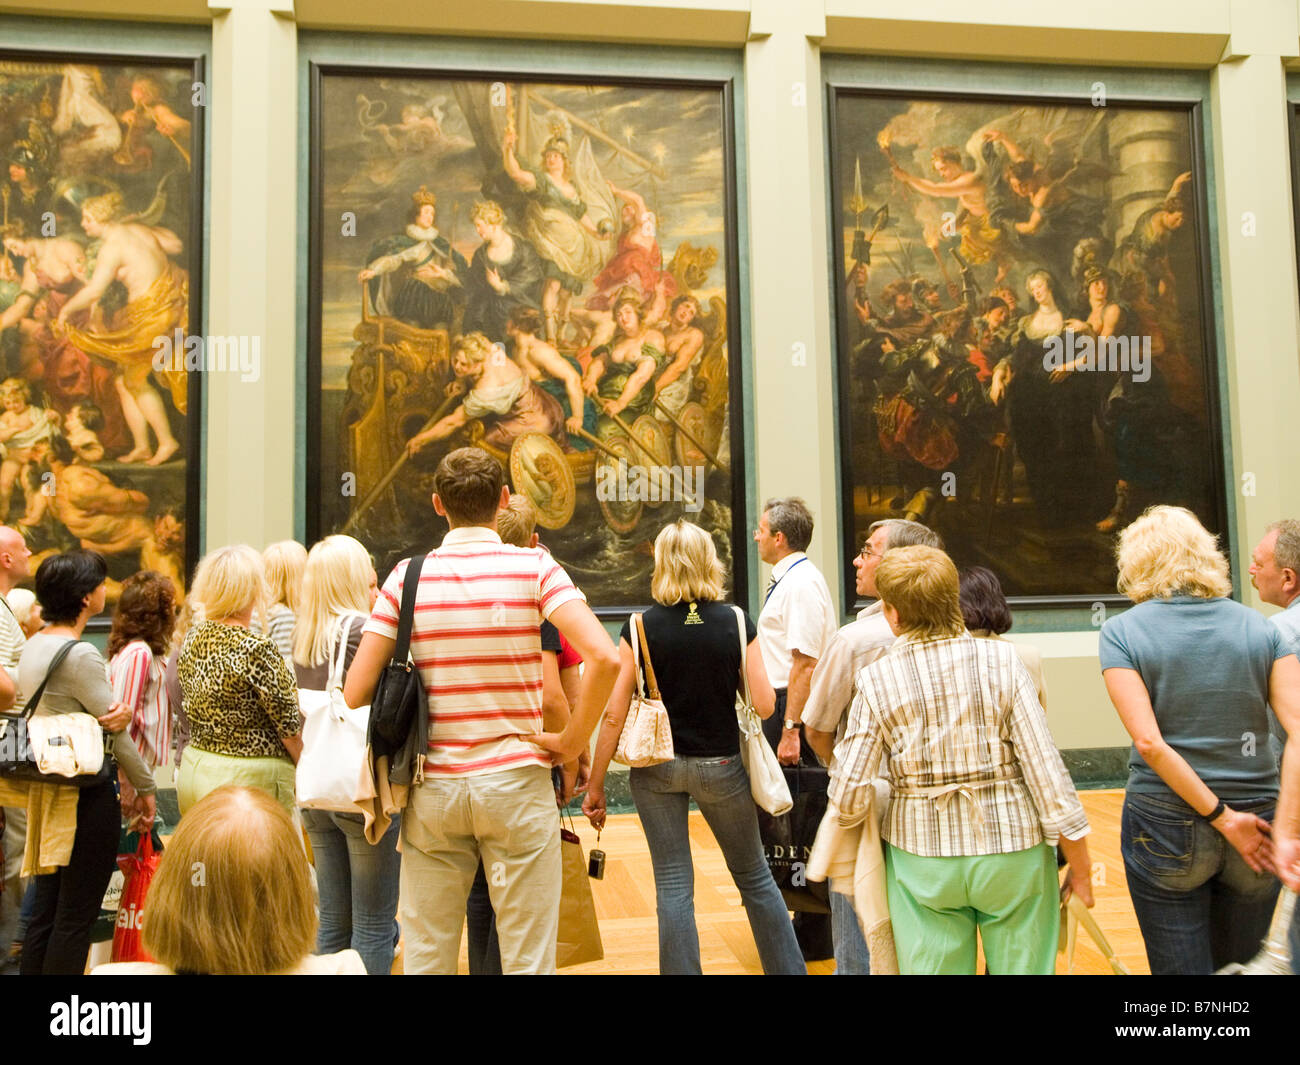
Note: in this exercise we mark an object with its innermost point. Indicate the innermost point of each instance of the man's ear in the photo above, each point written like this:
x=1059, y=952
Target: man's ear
x=1290, y=582
x=533, y=540
x=505, y=497
x=439, y=509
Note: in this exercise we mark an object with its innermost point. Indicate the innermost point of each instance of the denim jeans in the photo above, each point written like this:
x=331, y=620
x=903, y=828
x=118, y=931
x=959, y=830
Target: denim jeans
x=851, y=956
x=720, y=787
x=358, y=887
x=1199, y=905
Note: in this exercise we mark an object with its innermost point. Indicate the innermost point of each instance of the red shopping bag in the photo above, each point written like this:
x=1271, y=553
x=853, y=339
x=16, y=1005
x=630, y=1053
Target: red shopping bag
x=138, y=870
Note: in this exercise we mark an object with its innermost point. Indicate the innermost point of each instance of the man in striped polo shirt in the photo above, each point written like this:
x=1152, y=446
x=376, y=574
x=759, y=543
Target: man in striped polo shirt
x=487, y=790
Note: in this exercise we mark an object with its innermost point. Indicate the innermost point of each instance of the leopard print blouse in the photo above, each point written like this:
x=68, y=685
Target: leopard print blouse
x=239, y=695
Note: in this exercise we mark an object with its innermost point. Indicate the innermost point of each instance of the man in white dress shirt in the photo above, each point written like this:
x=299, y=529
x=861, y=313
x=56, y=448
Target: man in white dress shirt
x=856, y=645
x=796, y=623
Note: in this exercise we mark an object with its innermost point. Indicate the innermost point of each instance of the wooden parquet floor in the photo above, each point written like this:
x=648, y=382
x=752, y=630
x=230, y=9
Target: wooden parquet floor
x=625, y=901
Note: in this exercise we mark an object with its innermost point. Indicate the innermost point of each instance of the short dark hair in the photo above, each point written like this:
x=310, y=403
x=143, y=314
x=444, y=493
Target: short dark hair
x=526, y=320
x=792, y=517
x=469, y=482
x=983, y=605
x=63, y=581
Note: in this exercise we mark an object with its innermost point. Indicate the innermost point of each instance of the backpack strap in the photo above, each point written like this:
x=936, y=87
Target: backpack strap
x=410, y=587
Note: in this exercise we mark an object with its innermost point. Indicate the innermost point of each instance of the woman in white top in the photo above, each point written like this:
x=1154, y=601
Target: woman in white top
x=142, y=628
x=357, y=880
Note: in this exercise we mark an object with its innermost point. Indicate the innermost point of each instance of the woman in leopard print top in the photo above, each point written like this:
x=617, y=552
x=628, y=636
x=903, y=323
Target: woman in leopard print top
x=239, y=696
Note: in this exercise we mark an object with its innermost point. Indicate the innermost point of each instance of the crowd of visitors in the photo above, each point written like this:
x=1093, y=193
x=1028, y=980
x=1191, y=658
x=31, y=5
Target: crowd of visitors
x=927, y=720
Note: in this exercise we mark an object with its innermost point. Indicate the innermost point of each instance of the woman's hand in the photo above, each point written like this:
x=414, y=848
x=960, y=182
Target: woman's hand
x=593, y=806
x=145, y=810
x=117, y=718
x=1250, y=836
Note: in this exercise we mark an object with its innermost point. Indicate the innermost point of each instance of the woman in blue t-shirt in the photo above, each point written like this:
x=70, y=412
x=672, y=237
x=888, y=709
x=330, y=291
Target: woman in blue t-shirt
x=1193, y=675
x=694, y=647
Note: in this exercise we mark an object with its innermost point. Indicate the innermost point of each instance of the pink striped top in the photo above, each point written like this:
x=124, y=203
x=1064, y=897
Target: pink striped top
x=475, y=640
x=137, y=676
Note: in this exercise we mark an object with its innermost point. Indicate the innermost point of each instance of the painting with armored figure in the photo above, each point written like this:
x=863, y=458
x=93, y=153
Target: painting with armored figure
x=101, y=219
x=1026, y=339
x=542, y=269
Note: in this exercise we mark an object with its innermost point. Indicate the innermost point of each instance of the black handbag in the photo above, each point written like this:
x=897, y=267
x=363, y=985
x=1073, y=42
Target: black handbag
x=18, y=762
x=788, y=839
x=399, y=710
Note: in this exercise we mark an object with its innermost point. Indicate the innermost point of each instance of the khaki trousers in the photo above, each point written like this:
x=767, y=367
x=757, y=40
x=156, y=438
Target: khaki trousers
x=507, y=819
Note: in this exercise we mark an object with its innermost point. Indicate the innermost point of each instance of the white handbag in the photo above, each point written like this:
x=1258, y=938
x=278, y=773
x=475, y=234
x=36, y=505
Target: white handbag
x=332, y=767
x=766, y=781
x=647, y=736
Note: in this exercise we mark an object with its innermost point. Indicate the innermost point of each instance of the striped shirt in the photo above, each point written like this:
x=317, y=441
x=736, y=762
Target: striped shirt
x=957, y=714
x=12, y=640
x=476, y=642
x=137, y=676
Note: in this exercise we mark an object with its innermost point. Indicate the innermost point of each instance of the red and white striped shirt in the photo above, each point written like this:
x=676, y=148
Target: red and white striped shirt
x=137, y=676
x=475, y=641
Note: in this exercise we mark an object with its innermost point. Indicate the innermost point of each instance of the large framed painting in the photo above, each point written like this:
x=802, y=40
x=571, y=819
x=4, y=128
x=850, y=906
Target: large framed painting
x=100, y=283
x=542, y=268
x=1026, y=337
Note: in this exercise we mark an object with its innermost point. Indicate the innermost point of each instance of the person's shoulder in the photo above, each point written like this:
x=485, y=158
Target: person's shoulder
x=131, y=968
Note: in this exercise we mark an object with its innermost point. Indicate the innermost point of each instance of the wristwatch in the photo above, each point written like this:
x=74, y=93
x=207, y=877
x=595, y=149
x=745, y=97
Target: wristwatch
x=789, y=725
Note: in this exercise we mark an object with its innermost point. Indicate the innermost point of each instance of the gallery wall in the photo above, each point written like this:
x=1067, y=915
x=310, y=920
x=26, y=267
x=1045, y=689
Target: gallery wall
x=1232, y=55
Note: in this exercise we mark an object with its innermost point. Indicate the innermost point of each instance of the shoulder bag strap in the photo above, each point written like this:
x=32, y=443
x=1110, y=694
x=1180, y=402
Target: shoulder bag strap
x=744, y=671
x=651, y=683
x=55, y=662
x=410, y=587
x=344, y=630
x=636, y=656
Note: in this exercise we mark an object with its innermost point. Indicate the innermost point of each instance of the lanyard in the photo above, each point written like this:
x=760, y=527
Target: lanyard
x=780, y=579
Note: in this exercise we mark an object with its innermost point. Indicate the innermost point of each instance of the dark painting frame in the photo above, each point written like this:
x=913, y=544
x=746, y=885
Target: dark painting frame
x=318, y=71
x=195, y=260
x=838, y=220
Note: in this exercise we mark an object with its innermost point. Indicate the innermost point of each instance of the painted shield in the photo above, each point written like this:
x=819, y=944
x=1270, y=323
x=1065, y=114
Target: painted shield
x=539, y=469
x=621, y=514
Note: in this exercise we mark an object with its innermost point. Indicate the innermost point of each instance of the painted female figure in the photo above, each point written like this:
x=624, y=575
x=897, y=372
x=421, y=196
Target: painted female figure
x=559, y=225
x=619, y=371
x=504, y=274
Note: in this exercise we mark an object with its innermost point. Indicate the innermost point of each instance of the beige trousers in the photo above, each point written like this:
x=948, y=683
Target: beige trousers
x=507, y=819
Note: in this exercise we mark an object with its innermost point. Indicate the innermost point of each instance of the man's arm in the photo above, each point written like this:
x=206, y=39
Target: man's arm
x=600, y=670
x=1284, y=697
x=796, y=695
x=373, y=653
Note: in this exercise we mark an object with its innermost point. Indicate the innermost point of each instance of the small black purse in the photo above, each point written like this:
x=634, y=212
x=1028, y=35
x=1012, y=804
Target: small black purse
x=17, y=759
x=399, y=709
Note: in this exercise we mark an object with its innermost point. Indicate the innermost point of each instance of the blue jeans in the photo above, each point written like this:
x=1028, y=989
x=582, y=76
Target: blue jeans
x=720, y=788
x=851, y=957
x=1199, y=905
x=358, y=887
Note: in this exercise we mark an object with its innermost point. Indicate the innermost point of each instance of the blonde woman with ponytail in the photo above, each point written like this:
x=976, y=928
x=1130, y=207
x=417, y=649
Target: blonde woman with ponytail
x=357, y=880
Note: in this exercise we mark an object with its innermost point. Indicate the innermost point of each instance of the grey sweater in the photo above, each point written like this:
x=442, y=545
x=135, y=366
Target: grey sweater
x=80, y=684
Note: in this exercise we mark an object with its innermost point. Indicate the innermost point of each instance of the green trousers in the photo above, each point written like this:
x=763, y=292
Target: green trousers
x=937, y=904
x=204, y=771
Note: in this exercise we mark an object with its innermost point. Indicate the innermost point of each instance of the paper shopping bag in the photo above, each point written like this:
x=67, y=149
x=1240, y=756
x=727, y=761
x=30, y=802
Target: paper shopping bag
x=579, y=936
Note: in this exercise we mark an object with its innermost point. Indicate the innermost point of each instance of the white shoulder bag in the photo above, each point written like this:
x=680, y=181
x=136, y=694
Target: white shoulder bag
x=647, y=736
x=333, y=761
x=766, y=781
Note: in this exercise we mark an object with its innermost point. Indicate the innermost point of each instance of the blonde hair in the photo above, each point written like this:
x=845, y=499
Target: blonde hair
x=284, y=562
x=232, y=894
x=517, y=520
x=686, y=565
x=921, y=584
x=16, y=386
x=1168, y=552
x=103, y=208
x=488, y=211
x=474, y=346
x=335, y=582
x=229, y=580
